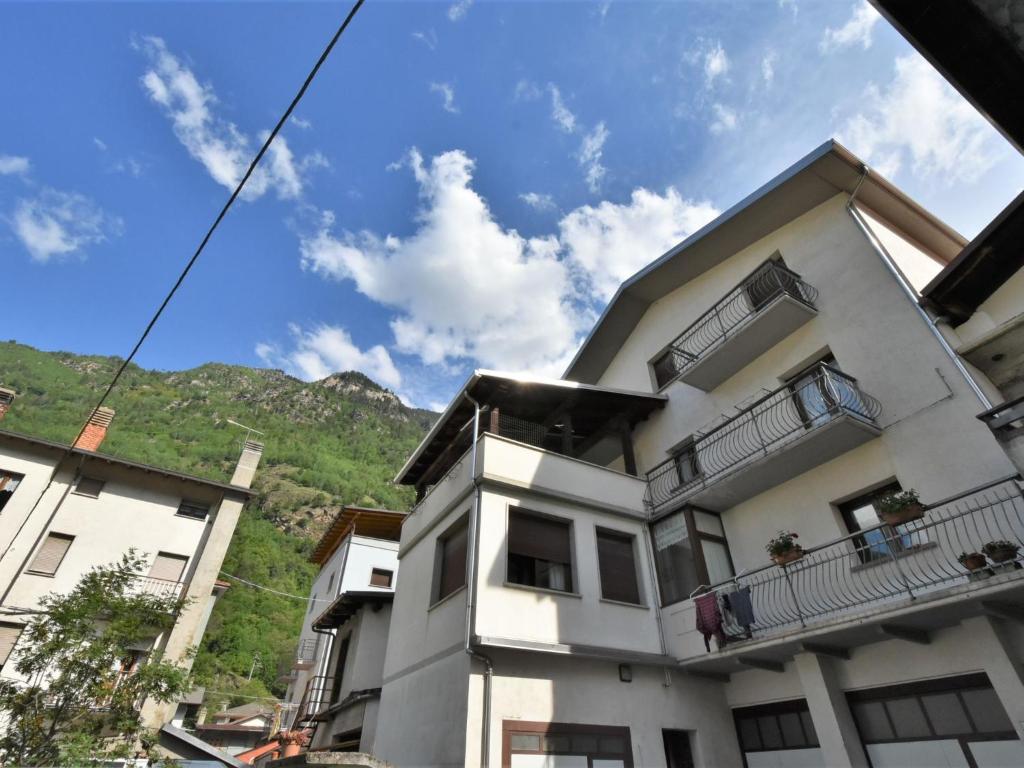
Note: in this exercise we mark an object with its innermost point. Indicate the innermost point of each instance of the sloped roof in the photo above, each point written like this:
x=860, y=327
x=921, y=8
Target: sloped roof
x=347, y=604
x=363, y=521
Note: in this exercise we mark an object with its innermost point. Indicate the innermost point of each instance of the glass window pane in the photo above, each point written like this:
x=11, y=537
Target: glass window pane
x=716, y=558
x=908, y=718
x=771, y=736
x=792, y=733
x=526, y=742
x=557, y=743
x=612, y=745
x=673, y=559
x=871, y=720
x=809, y=732
x=749, y=736
x=986, y=711
x=708, y=523
x=946, y=714
x=584, y=743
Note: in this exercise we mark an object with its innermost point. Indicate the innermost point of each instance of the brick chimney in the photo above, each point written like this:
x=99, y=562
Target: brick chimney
x=245, y=470
x=6, y=398
x=95, y=430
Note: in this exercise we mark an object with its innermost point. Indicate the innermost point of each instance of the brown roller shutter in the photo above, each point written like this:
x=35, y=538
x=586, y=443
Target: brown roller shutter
x=50, y=555
x=539, y=538
x=617, y=566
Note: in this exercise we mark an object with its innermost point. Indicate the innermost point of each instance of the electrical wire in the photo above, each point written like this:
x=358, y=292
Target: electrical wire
x=254, y=585
x=195, y=256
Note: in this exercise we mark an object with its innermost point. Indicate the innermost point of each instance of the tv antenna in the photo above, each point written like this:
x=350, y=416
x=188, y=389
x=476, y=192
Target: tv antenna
x=249, y=430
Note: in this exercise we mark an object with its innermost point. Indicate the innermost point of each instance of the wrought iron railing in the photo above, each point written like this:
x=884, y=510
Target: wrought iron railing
x=882, y=565
x=768, y=282
x=816, y=399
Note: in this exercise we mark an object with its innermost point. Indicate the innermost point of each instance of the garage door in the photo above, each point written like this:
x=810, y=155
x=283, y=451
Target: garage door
x=778, y=735
x=955, y=722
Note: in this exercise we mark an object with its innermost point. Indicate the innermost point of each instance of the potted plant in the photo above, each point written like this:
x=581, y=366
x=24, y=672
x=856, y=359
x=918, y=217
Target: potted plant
x=1001, y=551
x=900, y=508
x=973, y=561
x=783, y=549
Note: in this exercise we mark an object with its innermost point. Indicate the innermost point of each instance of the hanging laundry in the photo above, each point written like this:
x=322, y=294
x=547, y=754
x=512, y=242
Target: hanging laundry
x=709, y=619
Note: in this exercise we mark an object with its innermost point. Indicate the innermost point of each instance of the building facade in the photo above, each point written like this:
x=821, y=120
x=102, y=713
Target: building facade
x=65, y=510
x=585, y=575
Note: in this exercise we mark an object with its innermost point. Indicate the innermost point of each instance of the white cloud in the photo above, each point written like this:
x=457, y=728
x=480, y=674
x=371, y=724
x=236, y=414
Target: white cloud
x=447, y=96
x=463, y=286
x=13, y=164
x=918, y=119
x=716, y=64
x=538, y=201
x=55, y=224
x=428, y=38
x=591, y=150
x=791, y=4
x=101, y=145
x=219, y=145
x=327, y=349
x=299, y=122
x=768, y=67
x=726, y=119
x=560, y=113
x=856, y=31
x=458, y=10
x=610, y=242
x=527, y=90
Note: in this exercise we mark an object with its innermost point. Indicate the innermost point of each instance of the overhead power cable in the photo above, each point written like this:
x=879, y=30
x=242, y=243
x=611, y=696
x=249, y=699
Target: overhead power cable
x=194, y=258
x=254, y=585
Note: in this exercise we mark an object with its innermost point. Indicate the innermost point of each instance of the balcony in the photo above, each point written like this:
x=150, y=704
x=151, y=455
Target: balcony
x=162, y=588
x=305, y=654
x=876, y=584
x=787, y=432
x=316, y=699
x=749, y=320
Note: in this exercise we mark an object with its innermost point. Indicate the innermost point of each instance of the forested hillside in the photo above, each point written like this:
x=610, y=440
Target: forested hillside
x=338, y=440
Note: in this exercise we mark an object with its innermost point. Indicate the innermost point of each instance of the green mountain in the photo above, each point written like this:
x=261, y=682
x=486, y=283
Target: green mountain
x=336, y=441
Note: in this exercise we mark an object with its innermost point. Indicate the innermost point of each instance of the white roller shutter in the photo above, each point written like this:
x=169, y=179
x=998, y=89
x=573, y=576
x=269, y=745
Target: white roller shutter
x=49, y=556
x=9, y=634
x=168, y=567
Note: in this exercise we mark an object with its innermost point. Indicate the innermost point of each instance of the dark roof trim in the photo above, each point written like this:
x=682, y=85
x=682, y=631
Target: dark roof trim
x=196, y=743
x=987, y=262
x=54, y=445
x=346, y=605
x=385, y=524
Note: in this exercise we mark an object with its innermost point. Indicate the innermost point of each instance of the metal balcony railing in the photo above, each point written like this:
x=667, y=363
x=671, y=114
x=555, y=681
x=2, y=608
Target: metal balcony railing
x=817, y=398
x=315, y=700
x=146, y=585
x=769, y=281
x=306, y=652
x=867, y=569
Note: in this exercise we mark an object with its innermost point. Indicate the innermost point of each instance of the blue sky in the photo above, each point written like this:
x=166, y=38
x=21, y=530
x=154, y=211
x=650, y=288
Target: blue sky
x=464, y=185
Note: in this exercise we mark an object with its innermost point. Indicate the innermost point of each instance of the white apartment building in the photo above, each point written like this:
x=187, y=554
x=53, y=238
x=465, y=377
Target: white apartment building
x=773, y=372
x=67, y=509
x=335, y=682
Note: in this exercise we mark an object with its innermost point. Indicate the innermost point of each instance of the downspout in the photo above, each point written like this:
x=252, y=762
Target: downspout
x=471, y=576
x=649, y=552
x=911, y=294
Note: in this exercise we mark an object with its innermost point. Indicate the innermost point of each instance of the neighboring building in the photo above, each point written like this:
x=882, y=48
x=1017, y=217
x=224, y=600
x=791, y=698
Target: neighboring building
x=358, y=559
x=773, y=372
x=237, y=729
x=96, y=508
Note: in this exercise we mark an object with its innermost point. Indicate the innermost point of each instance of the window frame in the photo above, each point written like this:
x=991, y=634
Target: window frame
x=194, y=505
x=390, y=577
x=457, y=527
x=340, y=659
x=776, y=710
x=572, y=586
x=686, y=452
x=54, y=534
x=7, y=478
x=544, y=729
x=88, y=478
x=631, y=540
x=894, y=543
x=14, y=646
x=695, y=536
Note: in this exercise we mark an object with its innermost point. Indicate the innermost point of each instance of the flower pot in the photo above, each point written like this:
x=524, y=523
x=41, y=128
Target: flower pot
x=974, y=562
x=904, y=515
x=789, y=556
x=1003, y=555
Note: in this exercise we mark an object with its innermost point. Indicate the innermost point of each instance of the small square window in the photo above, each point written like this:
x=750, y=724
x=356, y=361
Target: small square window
x=539, y=551
x=193, y=509
x=381, y=578
x=450, y=561
x=89, y=486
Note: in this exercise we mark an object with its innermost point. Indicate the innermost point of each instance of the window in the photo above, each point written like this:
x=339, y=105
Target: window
x=8, y=485
x=539, y=552
x=381, y=578
x=819, y=398
x=339, y=670
x=168, y=567
x=678, y=753
x=680, y=566
x=50, y=554
x=875, y=543
x=312, y=603
x=450, y=562
x=687, y=462
x=617, y=564
x=89, y=486
x=9, y=634
x=330, y=583
x=770, y=727
x=964, y=707
x=769, y=281
x=193, y=509
x=588, y=746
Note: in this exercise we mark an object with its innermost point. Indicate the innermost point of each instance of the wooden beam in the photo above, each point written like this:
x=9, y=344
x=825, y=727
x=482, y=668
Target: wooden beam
x=567, y=433
x=1009, y=611
x=909, y=634
x=826, y=650
x=494, y=427
x=628, y=457
x=771, y=666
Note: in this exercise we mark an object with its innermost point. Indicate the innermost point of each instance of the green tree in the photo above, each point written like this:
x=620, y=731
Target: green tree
x=77, y=702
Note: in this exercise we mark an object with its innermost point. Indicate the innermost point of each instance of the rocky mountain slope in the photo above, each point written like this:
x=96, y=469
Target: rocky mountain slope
x=338, y=440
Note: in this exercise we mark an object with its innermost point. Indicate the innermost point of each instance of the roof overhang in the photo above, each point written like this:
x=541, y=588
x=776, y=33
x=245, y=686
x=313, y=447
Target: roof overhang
x=362, y=521
x=829, y=170
x=531, y=399
x=987, y=262
x=346, y=605
x=51, y=445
